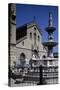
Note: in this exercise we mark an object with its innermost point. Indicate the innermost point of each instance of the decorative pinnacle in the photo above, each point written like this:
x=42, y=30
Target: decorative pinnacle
x=50, y=19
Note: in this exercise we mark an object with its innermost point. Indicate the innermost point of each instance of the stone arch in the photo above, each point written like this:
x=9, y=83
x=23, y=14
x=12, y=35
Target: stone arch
x=22, y=58
x=35, y=53
x=30, y=35
x=44, y=56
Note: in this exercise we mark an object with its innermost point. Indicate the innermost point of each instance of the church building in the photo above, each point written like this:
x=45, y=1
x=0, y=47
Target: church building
x=29, y=43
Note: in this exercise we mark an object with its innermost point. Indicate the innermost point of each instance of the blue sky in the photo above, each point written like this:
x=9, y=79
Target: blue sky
x=25, y=14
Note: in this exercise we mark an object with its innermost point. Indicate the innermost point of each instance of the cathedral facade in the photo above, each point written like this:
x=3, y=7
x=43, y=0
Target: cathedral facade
x=29, y=42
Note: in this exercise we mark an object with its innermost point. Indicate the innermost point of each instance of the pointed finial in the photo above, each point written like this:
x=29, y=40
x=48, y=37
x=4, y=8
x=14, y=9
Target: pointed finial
x=50, y=19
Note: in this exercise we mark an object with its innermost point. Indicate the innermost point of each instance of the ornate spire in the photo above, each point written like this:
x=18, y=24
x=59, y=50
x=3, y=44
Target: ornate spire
x=50, y=19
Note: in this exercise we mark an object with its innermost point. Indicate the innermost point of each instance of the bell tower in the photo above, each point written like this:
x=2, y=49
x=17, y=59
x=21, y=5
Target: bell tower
x=13, y=23
x=12, y=35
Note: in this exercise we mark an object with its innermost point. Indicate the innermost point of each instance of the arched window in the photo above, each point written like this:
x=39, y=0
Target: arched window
x=23, y=43
x=22, y=58
x=35, y=53
x=34, y=36
x=13, y=17
x=44, y=56
x=30, y=35
x=38, y=38
x=34, y=28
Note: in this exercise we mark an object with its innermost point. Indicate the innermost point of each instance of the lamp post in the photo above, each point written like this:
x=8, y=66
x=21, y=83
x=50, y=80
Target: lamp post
x=40, y=75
